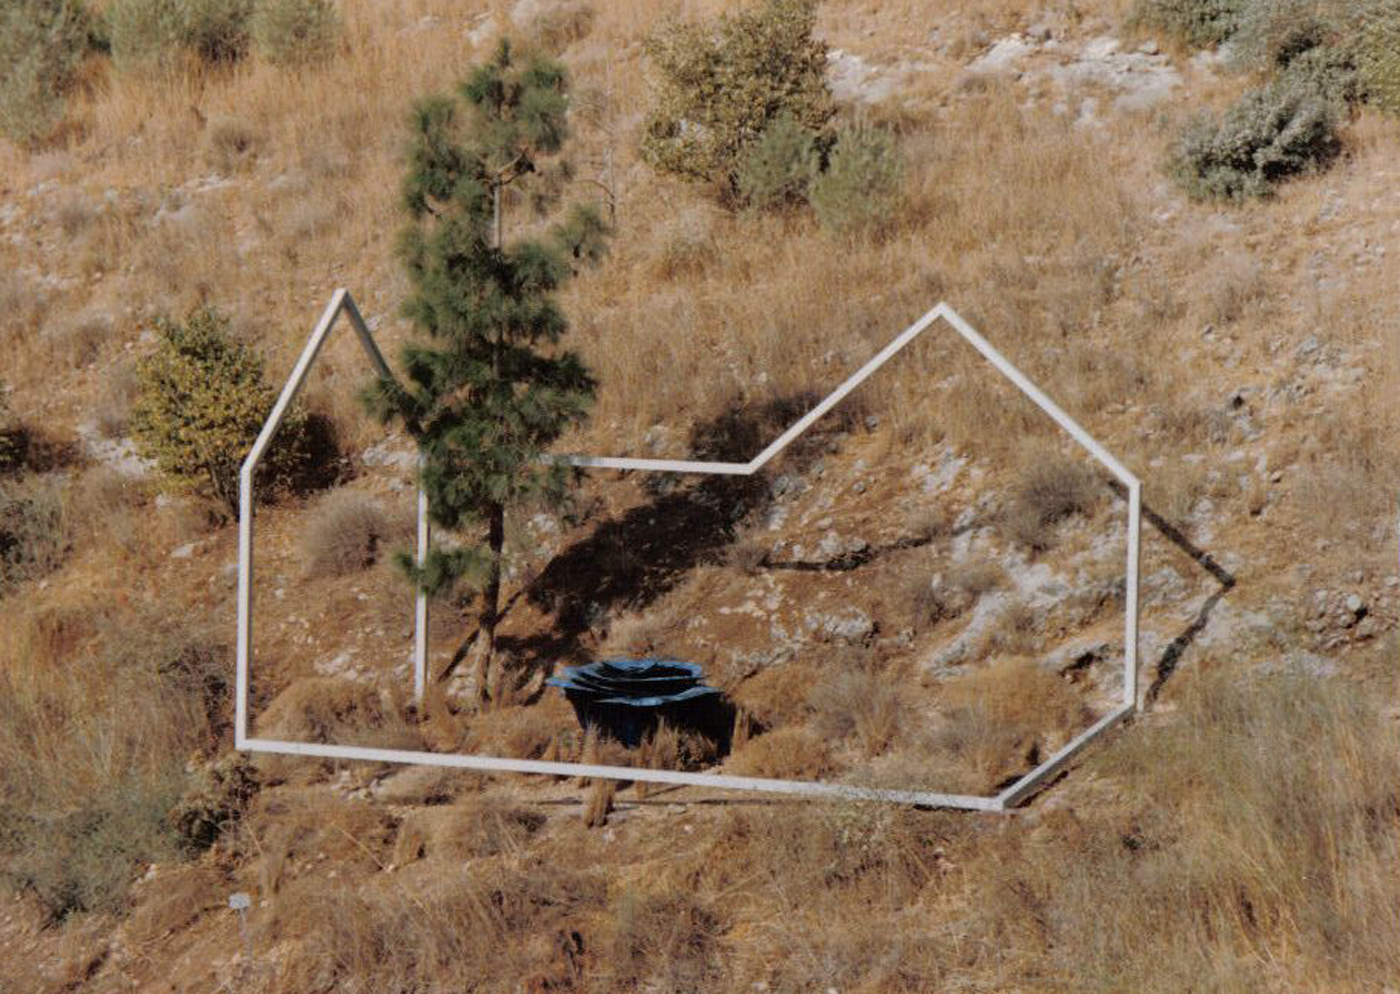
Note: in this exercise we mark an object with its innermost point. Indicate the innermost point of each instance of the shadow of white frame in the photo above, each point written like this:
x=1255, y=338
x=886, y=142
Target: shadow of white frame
x=341, y=303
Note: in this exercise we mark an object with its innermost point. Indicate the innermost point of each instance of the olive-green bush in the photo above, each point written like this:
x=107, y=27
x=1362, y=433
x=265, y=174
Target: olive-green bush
x=294, y=32
x=860, y=189
x=42, y=43
x=1198, y=23
x=722, y=83
x=201, y=401
x=1274, y=132
x=774, y=171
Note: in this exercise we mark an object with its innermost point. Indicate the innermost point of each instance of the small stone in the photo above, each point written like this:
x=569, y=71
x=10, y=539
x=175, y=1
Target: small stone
x=185, y=551
x=1354, y=604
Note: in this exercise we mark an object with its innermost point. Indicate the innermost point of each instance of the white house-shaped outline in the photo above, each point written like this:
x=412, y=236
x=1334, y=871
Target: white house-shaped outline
x=341, y=302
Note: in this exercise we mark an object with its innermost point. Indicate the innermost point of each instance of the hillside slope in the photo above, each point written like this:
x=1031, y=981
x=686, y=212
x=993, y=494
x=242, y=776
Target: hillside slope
x=926, y=592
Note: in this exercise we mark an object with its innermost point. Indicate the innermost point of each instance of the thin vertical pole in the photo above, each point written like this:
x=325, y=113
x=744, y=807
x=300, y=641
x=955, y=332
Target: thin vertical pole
x=420, y=619
x=1130, y=620
x=245, y=604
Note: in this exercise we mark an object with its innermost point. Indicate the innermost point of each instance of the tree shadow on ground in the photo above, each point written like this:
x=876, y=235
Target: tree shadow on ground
x=630, y=561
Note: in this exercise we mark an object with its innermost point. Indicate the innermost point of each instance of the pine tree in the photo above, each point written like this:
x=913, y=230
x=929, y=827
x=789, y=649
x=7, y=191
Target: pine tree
x=487, y=388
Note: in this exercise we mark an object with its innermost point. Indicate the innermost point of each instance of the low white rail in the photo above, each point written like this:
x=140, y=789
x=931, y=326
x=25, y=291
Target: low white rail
x=341, y=302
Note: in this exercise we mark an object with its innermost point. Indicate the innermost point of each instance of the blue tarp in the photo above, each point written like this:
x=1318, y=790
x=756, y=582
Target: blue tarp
x=625, y=697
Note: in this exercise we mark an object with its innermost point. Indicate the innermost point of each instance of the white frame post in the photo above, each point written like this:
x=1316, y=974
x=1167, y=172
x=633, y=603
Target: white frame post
x=1008, y=798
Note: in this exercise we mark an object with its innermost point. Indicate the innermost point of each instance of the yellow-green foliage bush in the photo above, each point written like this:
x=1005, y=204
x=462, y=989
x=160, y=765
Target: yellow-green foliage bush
x=201, y=402
x=41, y=44
x=289, y=32
x=722, y=83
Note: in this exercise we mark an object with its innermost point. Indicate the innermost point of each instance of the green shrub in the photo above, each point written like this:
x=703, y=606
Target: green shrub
x=723, y=83
x=775, y=170
x=860, y=189
x=1280, y=130
x=34, y=532
x=201, y=401
x=42, y=43
x=290, y=32
x=1198, y=23
x=156, y=35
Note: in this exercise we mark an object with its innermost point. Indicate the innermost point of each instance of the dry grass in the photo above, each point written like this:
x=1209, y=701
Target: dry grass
x=346, y=532
x=794, y=753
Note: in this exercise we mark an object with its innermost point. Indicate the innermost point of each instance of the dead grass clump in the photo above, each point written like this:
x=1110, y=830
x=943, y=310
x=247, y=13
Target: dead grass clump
x=73, y=212
x=287, y=830
x=927, y=600
x=519, y=732
x=555, y=26
x=663, y=941
x=35, y=530
x=231, y=144
x=1050, y=491
x=329, y=709
x=345, y=533
x=777, y=694
x=783, y=754
x=518, y=920
x=475, y=826
x=77, y=340
x=111, y=411
x=998, y=722
x=175, y=898
x=859, y=703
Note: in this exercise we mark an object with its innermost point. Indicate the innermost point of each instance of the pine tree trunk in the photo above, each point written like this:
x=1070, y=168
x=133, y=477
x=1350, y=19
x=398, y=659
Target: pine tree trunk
x=491, y=601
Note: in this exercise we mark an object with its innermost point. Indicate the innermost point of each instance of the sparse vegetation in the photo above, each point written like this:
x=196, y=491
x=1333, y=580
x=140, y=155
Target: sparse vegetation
x=723, y=84
x=202, y=401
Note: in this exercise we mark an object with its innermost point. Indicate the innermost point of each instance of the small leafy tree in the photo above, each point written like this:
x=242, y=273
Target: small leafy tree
x=723, y=83
x=200, y=404
x=487, y=388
